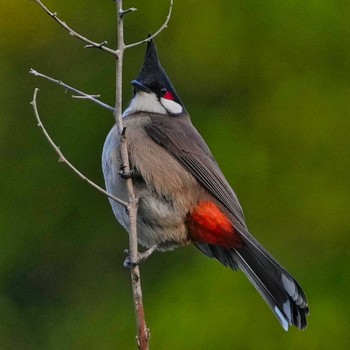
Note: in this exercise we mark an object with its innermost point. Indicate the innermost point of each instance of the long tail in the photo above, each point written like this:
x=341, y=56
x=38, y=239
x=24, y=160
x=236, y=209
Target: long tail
x=279, y=289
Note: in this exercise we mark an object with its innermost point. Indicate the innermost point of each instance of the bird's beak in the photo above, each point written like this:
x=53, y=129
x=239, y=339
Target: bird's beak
x=140, y=87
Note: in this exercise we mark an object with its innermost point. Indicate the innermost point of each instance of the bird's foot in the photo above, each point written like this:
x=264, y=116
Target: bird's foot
x=140, y=257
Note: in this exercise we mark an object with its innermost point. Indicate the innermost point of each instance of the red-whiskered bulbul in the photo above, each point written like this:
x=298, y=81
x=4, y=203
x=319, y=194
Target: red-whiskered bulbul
x=184, y=197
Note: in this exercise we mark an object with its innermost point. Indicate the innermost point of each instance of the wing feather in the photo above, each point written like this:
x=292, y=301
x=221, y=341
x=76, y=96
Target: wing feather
x=189, y=148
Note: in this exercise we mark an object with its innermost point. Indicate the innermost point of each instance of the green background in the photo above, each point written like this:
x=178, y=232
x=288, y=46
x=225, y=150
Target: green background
x=267, y=83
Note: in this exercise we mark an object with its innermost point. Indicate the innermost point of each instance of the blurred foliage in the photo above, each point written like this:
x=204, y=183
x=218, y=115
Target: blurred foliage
x=267, y=84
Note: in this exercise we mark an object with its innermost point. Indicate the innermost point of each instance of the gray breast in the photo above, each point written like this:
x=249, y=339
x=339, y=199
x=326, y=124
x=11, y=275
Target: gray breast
x=165, y=189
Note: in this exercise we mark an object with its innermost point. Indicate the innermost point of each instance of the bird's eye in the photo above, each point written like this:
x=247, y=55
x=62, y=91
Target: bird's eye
x=163, y=91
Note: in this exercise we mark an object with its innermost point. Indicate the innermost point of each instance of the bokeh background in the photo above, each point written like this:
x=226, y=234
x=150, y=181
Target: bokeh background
x=267, y=84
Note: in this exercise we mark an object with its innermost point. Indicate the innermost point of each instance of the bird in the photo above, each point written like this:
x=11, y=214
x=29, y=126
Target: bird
x=183, y=196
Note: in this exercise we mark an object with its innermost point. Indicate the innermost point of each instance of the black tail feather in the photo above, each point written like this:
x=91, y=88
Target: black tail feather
x=278, y=288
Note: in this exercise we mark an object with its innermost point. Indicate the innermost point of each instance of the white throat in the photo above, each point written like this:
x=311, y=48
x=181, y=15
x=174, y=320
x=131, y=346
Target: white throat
x=149, y=103
x=145, y=102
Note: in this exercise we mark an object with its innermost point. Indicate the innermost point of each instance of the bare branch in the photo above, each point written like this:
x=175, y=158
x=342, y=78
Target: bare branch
x=118, y=118
x=81, y=93
x=165, y=25
x=63, y=159
x=132, y=205
x=76, y=34
x=143, y=332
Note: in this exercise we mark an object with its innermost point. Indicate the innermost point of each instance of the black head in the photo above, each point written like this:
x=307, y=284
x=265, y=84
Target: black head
x=152, y=79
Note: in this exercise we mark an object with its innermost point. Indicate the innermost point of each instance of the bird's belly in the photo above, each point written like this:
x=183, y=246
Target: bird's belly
x=161, y=222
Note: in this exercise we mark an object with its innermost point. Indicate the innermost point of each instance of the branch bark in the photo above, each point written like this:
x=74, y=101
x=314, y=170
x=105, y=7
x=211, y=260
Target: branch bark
x=143, y=332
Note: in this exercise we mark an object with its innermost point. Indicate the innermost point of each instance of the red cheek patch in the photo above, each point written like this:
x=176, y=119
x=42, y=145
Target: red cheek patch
x=169, y=96
x=208, y=224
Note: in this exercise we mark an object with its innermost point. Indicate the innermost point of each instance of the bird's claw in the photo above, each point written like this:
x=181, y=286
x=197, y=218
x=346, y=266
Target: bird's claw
x=128, y=264
x=140, y=257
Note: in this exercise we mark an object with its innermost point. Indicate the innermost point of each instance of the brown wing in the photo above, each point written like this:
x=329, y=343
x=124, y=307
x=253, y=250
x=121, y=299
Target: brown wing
x=182, y=140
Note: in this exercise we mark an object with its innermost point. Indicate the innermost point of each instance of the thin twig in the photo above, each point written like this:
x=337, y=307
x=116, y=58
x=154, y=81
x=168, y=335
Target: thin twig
x=86, y=97
x=81, y=93
x=143, y=332
x=63, y=159
x=124, y=12
x=72, y=32
x=165, y=25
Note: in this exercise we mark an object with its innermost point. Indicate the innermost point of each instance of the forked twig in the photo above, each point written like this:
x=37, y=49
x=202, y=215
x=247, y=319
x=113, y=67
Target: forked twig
x=68, y=87
x=72, y=32
x=124, y=12
x=63, y=159
x=165, y=25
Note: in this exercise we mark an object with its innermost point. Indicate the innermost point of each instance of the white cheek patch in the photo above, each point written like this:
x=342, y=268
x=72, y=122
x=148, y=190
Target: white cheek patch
x=171, y=106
